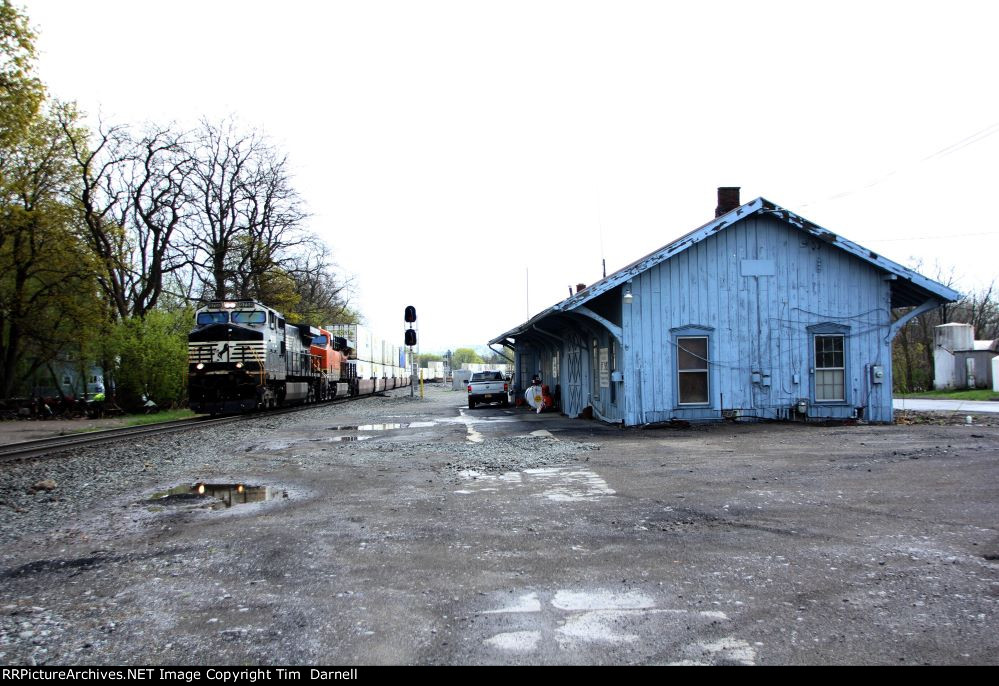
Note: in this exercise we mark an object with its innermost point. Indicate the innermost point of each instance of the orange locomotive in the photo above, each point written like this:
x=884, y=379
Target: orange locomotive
x=329, y=359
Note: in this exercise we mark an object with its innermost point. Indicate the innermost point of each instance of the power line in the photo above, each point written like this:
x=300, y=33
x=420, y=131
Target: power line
x=930, y=238
x=976, y=137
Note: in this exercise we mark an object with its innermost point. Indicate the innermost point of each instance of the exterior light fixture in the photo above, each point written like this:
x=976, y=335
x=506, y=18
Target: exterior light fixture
x=628, y=297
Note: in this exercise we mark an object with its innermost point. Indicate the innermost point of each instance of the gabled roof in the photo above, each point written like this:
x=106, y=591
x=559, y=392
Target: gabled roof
x=908, y=288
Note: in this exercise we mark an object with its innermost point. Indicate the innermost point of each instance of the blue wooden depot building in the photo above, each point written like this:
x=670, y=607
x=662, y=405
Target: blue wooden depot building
x=757, y=314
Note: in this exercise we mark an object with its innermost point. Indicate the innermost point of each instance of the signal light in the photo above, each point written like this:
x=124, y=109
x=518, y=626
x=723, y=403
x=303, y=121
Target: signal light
x=410, y=314
x=410, y=336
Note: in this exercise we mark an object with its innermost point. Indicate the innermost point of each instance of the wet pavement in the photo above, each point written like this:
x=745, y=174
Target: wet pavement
x=497, y=536
x=932, y=405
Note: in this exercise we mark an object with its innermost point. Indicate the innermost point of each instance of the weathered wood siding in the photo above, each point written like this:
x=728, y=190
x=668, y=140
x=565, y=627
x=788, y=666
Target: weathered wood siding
x=756, y=287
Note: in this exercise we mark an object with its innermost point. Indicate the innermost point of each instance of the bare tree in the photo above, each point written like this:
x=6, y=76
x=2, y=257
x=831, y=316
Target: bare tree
x=248, y=217
x=133, y=205
x=325, y=295
x=983, y=312
x=914, y=345
x=274, y=218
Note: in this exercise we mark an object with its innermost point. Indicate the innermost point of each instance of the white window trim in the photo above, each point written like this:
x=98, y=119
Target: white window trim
x=706, y=370
x=815, y=353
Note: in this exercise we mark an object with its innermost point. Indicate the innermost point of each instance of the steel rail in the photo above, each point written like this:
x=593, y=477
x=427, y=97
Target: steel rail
x=21, y=450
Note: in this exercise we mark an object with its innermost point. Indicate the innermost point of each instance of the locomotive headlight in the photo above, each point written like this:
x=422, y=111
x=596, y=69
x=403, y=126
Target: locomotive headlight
x=239, y=365
x=200, y=365
x=201, y=489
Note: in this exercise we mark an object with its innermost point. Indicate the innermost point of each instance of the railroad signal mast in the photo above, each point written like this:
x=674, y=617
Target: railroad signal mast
x=410, y=338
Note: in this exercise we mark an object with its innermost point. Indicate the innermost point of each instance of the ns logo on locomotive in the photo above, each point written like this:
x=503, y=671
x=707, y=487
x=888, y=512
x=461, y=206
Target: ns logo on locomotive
x=243, y=355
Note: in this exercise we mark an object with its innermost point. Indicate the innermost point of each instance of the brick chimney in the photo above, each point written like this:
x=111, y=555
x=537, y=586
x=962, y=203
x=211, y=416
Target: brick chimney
x=728, y=199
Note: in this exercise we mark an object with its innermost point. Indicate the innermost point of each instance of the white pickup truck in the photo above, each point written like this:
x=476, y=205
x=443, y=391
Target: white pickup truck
x=488, y=387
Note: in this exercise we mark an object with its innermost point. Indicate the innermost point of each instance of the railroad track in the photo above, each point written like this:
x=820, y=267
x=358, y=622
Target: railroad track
x=58, y=444
x=55, y=444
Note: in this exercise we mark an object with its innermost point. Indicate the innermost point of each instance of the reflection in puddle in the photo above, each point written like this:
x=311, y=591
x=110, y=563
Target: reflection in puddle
x=222, y=495
x=383, y=427
x=341, y=439
x=369, y=427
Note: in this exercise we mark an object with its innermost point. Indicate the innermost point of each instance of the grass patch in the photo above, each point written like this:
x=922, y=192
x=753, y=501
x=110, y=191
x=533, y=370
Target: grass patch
x=164, y=416
x=977, y=394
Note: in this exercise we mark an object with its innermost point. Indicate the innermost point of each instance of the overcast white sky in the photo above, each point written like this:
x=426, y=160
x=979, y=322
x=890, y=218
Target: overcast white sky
x=446, y=147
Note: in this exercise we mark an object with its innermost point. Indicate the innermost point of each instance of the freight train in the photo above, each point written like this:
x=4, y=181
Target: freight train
x=244, y=355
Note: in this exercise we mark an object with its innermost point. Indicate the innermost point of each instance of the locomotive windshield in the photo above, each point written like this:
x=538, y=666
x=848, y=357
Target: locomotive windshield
x=205, y=318
x=254, y=317
x=319, y=340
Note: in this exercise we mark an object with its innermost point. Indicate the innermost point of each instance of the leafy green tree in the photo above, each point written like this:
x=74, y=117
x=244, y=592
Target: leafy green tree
x=423, y=358
x=463, y=355
x=21, y=93
x=151, y=357
x=48, y=303
x=496, y=358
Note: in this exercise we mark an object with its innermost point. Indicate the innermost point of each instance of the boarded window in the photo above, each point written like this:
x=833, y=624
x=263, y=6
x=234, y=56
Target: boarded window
x=692, y=369
x=829, y=369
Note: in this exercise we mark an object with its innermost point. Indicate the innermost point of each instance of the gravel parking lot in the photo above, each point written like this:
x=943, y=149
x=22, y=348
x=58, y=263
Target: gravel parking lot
x=418, y=532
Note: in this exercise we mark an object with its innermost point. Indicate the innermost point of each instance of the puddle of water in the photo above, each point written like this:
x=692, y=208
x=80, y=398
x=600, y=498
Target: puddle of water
x=472, y=419
x=559, y=484
x=369, y=427
x=602, y=600
x=516, y=641
x=342, y=439
x=222, y=495
x=528, y=602
x=601, y=626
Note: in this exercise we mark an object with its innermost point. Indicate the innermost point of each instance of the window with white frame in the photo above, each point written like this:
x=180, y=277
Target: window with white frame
x=830, y=373
x=692, y=369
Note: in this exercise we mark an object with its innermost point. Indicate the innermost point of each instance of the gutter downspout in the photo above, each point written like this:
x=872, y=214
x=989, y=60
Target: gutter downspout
x=603, y=418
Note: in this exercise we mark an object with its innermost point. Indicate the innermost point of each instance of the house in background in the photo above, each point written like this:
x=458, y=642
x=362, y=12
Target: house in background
x=959, y=361
x=66, y=376
x=756, y=314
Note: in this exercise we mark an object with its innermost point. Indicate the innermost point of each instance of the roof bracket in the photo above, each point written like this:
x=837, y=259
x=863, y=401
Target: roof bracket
x=614, y=329
x=896, y=326
x=501, y=354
